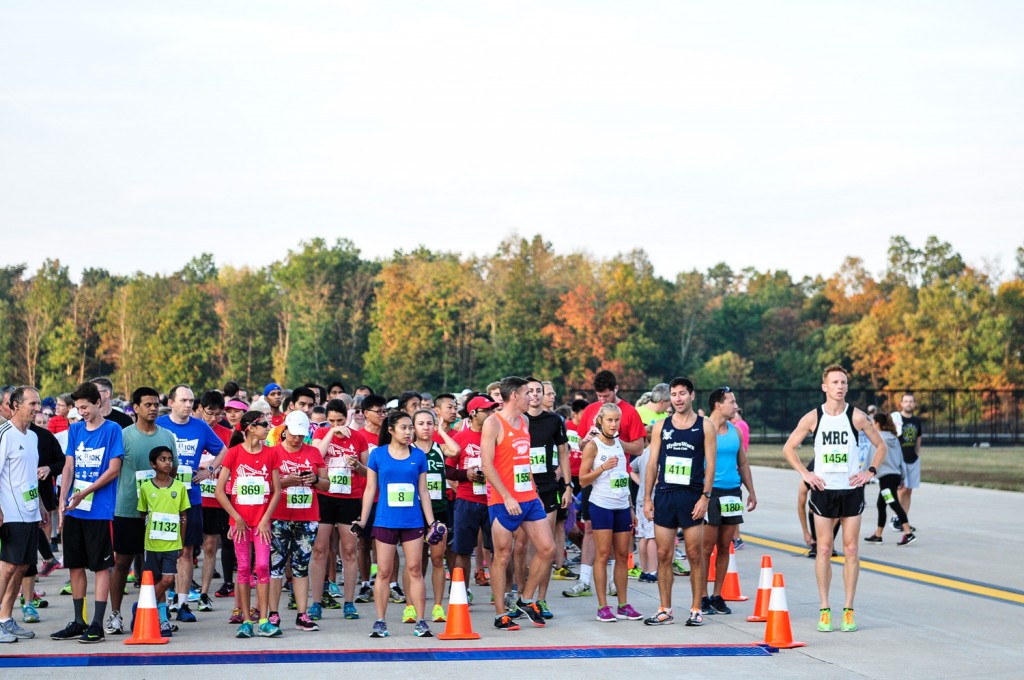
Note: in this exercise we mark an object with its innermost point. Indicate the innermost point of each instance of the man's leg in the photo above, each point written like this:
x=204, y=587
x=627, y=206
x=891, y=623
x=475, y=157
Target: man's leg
x=851, y=557
x=710, y=540
x=318, y=565
x=118, y=579
x=210, y=542
x=693, y=543
x=723, y=541
x=186, y=569
x=10, y=581
x=502, y=539
x=665, y=540
x=538, y=534
x=823, y=561
x=558, y=557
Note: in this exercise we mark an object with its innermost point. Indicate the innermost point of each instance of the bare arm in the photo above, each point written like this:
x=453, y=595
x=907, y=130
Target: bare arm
x=588, y=475
x=746, y=477
x=450, y=448
x=796, y=438
x=864, y=424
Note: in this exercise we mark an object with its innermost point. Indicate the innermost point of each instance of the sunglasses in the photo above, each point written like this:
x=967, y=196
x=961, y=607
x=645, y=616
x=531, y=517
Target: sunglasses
x=259, y=423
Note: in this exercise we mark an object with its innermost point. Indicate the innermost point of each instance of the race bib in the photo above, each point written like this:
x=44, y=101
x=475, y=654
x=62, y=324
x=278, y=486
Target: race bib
x=250, y=490
x=341, y=480
x=435, y=486
x=140, y=477
x=185, y=475
x=163, y=526
x=30, y=497
x=574, y=440
x=833, y=460
x=619, y=482
x=208, y=487
x=887, y=495
x=677, y=470
x=401, y=495
x=299, y=497
x=85, y=505
x=538, y=460
x=732, y=506
x=521, y=478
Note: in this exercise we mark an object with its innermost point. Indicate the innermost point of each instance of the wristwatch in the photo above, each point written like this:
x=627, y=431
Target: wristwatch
x=707, y=494
x=872, y=470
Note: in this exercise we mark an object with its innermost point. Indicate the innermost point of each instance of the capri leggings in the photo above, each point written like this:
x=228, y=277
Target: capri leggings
x=262, y=550
x=888, y=484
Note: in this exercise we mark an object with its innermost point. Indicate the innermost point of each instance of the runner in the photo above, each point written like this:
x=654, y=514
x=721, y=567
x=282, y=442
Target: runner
x=909, y=429
x=211, y=409
x=107, y=409
x=604, y=470
x=725, y=511
x=647, y=548
x=249, y=470
x=889, y=475
x=400, y=471
x=837, y=485
x=301, y=469
x=162, y=502
x=274, y=395
x=87, y=497
x=684, y=472
x=512, y=501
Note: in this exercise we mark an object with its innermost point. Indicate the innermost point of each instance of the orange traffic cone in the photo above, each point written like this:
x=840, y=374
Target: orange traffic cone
x=631, y=564
x=778, y=632
x=459, y=626
x=731, y=587
x=764, y=592
x=147, y=617
x=711, y=564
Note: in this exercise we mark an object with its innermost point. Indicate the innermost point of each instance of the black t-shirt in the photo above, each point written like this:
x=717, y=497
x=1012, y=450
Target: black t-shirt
x=547, y=430
x=121, y=418
x=912, y=430
x=51, y=456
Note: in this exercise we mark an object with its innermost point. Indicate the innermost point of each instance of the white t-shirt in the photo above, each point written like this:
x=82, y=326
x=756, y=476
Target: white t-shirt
x=19, y=483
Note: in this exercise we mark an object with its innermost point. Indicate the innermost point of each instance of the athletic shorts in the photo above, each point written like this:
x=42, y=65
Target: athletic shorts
x=161, y=563
x=194, y=527
x=644, y=526
x=725, y=507
x=837, y=503
x=396, y=536
x=912, y=480
x=19, y=542
x=215, y=521
x=339, y=510
x=291, y=540
x=129, y=535
x=548, y=495
x=87, y=544
x=674, y=509
x=530, y=511
x=469, y=518
x=602, y=519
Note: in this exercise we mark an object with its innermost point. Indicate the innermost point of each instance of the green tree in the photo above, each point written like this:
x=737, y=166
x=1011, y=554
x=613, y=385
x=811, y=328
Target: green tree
x=248, y=315
x=184, y=345
x=44, y=302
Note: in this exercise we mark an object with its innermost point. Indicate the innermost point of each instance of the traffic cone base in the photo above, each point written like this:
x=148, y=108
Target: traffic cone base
x=459, y=625
x=778, y=632
x=147, y=616
x=731, y=588
x=764, y=592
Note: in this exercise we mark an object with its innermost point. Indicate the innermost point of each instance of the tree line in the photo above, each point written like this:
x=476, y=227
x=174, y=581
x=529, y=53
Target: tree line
x=437, y=320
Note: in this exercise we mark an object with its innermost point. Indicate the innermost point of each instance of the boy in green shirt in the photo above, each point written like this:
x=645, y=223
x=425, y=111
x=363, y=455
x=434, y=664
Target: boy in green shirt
x=163, y=501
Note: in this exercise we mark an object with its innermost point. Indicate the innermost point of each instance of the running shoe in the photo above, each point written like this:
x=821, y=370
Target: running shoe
x=894, y=522
x=510, y=604
x=333, y=590
x=505, y=622
x=92, y=634
x=172, y=602
x=72, y=631
x=328, y=602
x=437, y=615
x=469, y=595
x=205, y=603
x=11, y=627
x=166, y=629
x=648, y=578
x=634, y=572
x=737, y=543
x=481, y=578
x=409, y=614
x=316, y=612
x=679, y=568
x=581, y=589
x=236, y=616
x=292, y=605
x=612, y=590
x=907, y=539
x=695, y=618
x=397, y=596
x=275, y=618
x=66, y=590
x=626, y=611
x=872, y=539
x=718, y=604
x=267, y=629
x=303, y=622
x=216, y=574
x=705, y=606
x=825, y=621
x=7, y=638
x=422, y=629
x=365, y=595
x=226, y=590
x=663, y=617
x=849, y=625
x=194, y=594
x=29, y=614
x=115, y=624
x=812, y=552
x=351, y=613
x=185, y=614
x=544, y=609
x=245, y=630
x=132, y=578
x=380, y=629
x=533, y=611
x=254, y=614
x=50, y=566
x=564, y=574
x=605, y=615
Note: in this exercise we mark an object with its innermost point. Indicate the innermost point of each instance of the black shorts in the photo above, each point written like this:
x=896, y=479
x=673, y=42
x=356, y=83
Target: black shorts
x=836, y=504
x=215, y=521
x=674, y=509
x=129, y=535
x=548, y=494
x=87, y=544
x=193, y=527
x=725, y=507
x=339, y=510
x=19, y=542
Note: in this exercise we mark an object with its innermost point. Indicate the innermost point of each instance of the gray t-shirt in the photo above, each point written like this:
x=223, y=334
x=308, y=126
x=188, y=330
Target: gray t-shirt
x=136, y=459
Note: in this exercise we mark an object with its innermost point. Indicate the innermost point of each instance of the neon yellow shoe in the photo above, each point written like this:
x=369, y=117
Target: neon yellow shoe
x=438, y=615
x=409, y=614
x=848, y=625
x=825, y=621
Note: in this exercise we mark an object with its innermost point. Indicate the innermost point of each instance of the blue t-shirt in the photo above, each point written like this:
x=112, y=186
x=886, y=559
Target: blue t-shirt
x=398, y=482
x=93, y=452
x=727, y=473
x=192, y=439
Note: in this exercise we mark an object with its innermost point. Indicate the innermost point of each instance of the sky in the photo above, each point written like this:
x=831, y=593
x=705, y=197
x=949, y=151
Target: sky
x=135, y=135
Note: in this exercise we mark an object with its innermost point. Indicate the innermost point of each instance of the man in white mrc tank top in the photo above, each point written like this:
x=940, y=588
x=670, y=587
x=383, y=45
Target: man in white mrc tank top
x=837, y=484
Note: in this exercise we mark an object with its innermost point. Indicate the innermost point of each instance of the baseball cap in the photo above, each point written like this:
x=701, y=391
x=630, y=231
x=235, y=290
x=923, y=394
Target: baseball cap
x=297, y=423
x=270, y=388
x=477, y=403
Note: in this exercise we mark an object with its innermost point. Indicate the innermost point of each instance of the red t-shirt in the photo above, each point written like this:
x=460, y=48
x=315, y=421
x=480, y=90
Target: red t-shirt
x=248, y=471
x=373, y=440
x=206, y=460
x=631, y=427
x=575, y=454
x=298, y=503
x=342, y=477
x=469, y=457
x=277, y=419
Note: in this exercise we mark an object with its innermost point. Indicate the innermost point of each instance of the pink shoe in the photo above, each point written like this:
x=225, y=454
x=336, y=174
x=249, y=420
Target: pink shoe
x=626, y=611
x=605, y=615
